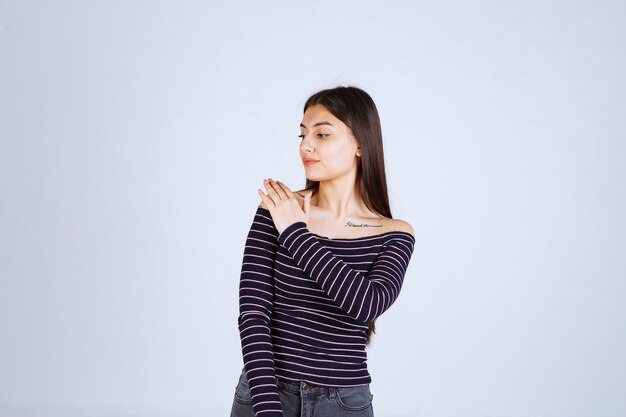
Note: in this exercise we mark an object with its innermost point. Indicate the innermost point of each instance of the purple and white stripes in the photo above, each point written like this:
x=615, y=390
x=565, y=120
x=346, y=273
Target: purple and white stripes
x=305, y=303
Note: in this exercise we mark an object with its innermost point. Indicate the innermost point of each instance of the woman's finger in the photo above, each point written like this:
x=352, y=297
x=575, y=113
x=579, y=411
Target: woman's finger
x=286, y=189
x=271, y=191
x=287, y=192
x=279, y=190
x=265, y=199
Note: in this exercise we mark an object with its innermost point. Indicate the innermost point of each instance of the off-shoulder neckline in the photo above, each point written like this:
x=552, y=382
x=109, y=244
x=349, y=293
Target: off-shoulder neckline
x=356, y=238
x=363, y=237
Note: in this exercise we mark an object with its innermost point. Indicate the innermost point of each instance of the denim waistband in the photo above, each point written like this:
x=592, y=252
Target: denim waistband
x=301, y=387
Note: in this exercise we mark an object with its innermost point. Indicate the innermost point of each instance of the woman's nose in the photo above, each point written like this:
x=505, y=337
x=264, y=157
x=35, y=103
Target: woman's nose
x=305, y=145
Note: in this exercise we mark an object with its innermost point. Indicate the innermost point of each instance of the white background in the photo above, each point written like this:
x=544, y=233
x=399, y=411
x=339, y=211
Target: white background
x=134, y=136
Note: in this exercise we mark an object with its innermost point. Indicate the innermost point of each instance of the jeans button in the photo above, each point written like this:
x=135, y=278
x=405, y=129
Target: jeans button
x=305, y=386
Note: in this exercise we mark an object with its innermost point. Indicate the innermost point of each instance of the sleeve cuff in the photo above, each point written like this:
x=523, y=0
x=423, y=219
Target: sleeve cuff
x=291, y=233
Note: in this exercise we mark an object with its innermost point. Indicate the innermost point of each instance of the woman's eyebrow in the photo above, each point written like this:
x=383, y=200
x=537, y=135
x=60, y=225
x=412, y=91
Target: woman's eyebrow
x=317, y=124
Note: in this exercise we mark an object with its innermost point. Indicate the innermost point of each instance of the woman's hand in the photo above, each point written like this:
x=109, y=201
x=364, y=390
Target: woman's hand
x=284, y=205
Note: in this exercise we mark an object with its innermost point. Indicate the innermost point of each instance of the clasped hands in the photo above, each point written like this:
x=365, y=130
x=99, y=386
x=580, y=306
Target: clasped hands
x=285, y=206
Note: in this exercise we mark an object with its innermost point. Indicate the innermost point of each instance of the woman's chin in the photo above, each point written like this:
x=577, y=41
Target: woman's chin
x=311, y=176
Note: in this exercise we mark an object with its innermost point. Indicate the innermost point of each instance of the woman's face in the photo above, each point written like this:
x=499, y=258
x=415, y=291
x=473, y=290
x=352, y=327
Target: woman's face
x=327, y=140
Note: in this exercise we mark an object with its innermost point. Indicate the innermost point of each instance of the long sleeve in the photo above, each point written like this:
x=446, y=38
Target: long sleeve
x=256, y=295
x=362, y=297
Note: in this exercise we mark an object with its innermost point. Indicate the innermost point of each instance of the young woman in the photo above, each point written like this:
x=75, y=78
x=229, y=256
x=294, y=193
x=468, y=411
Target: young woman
x=319, y=266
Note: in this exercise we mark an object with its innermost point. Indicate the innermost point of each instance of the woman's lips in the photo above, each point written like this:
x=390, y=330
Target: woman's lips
x=310, y=161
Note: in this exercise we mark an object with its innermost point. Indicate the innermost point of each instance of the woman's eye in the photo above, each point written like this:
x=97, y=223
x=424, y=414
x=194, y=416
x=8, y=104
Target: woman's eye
x=320, y=135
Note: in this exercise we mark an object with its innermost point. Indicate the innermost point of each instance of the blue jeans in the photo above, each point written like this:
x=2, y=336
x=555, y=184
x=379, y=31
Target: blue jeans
x=300, y=399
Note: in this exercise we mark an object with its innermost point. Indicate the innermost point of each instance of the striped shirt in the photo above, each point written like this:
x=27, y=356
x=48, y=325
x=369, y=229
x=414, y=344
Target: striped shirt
x=305, y=303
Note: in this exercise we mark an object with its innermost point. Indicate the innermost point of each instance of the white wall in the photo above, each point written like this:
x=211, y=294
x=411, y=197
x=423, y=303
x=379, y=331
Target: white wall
x=134, y=136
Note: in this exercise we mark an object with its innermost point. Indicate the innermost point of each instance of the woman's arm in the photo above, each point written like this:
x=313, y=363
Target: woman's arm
x=256, y=296
x=362, y=297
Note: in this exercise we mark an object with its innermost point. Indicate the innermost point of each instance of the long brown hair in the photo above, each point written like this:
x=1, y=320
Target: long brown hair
x=356, y=109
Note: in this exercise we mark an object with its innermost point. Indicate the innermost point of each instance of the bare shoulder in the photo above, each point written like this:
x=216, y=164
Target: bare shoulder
x=398, y=225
